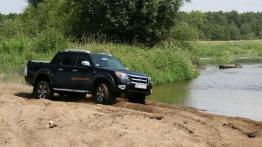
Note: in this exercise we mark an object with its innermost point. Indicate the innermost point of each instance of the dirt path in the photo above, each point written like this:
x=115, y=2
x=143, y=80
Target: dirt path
x=24, y=123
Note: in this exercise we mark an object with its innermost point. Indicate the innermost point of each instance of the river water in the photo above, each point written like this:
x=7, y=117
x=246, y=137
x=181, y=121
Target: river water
x=230, y=92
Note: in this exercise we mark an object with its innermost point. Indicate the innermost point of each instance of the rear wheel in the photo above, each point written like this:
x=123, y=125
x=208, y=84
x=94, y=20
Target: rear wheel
x=103, y=95
x=43, y=90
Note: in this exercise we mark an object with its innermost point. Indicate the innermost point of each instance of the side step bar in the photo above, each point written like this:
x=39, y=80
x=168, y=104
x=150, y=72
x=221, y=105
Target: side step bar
x=71, y=90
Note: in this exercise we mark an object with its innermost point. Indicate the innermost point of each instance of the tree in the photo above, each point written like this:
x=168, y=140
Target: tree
x=125, y=20
x=184, y=32
x=245, y=28
x=1, y=18
x=224, y=25
x=44, y=16
x=233, y=17
x=34, y=2
x=233, y=31
x=198, y=20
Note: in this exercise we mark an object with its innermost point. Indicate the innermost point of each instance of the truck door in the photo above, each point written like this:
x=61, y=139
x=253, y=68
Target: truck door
x=83, y=75
x=63, y=74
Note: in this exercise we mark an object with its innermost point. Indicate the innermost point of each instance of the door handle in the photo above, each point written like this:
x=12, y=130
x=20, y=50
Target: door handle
x=60, y=69
x=74, y=70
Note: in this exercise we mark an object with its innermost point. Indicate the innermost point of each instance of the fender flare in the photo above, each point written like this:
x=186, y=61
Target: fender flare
x=45, y=72
x=106, y=77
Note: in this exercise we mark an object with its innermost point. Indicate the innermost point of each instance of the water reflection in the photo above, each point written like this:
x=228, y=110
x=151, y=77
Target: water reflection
x=174, y=93
x=232, y=92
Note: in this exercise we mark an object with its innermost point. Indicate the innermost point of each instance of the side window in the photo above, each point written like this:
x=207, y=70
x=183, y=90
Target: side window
x=82, y=57
x=68, y=60
x=56, y=58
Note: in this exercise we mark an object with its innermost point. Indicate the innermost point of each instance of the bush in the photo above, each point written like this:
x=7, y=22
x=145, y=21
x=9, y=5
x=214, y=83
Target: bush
x=13, y=53
x=10, y=28
x=50, y=40
x=16, y=44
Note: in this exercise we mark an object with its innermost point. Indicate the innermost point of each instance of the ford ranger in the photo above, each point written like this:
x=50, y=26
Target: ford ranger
x=82, y=72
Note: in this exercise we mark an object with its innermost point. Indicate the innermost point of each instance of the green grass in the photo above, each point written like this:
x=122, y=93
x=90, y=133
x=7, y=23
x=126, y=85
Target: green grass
x=249, y=48
x=227, y=51
x=163, y=64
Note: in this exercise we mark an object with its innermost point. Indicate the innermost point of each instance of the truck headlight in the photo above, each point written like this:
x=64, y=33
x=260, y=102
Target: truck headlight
x=122, y=76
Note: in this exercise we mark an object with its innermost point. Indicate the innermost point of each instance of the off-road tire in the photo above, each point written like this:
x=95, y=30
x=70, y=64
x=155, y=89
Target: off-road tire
x=103, y=95
x=42, y=89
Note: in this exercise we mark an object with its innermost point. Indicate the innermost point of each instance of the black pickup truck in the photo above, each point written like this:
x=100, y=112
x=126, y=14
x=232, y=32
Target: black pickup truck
x=82, y=72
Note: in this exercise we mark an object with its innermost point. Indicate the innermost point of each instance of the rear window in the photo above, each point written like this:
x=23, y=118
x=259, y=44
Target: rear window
x=68, y=60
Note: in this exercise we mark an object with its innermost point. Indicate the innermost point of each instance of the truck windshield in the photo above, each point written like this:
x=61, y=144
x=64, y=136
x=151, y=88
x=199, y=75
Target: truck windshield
x=101, y=60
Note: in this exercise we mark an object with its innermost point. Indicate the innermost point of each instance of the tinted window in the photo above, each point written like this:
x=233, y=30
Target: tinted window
x=82, y=57
x=56, y=59
x=68, y=60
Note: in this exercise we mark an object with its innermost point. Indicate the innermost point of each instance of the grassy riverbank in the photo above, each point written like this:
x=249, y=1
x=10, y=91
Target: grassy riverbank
x=164, y=64
x=247, y=48
x=227, y=51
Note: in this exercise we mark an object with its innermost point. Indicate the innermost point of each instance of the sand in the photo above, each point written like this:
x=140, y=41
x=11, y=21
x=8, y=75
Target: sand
x=24, y=122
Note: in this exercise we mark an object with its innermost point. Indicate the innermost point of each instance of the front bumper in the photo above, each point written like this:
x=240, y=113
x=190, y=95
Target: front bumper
x=130, y=89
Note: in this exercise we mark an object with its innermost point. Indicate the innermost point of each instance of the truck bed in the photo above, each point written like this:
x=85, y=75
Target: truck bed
x=33, y=66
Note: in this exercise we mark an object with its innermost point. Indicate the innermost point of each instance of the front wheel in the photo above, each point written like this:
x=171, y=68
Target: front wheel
x=103, y=95
x=43, y=90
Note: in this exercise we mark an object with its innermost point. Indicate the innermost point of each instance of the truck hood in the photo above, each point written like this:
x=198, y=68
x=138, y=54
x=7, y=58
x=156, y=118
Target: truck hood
x=133, y=73
x=125, y=71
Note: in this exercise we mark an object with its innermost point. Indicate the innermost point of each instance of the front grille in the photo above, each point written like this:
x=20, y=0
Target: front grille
x=138, y=79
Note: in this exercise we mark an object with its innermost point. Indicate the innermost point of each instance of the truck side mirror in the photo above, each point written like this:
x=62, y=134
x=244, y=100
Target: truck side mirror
x=86, y=63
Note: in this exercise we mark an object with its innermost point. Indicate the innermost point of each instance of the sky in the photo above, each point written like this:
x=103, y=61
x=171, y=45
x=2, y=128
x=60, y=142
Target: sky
x=224, y=5
x=17, y=6
x=12, y=6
